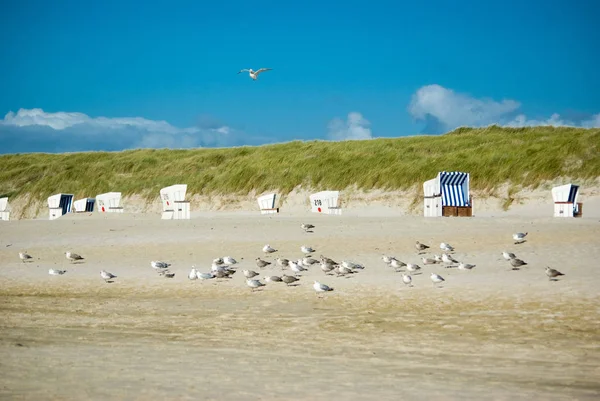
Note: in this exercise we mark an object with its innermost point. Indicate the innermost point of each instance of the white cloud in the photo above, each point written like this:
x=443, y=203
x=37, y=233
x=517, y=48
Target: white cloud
x=593, y=122
x=355, y=127
x=450, y=110
x=63, y=120
x=37, y=130
x=453, y=109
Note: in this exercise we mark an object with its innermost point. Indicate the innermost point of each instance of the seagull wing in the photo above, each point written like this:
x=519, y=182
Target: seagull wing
x=244, y=70
x=262, y=70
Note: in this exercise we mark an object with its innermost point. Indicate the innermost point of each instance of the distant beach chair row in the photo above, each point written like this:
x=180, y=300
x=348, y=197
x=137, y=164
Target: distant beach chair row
x=448, y=195
x=325, y=202
x=61, y=204
x=445, y=195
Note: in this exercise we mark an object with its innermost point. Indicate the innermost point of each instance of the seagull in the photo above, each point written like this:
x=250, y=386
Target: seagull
x=321, y=287
x=106, y=276
x=351, y=265
x=306, y=249
x=289, y=279
x=446, y=247
x=24, y=256
x=448, y=259
x=56, y=272
x=218, y=261
x=204, y=276
x=283, y=263
x=436, y=278
x=254, y=284
x=343, y=270
x=261, y=263
x=228, y=260
x=420, y=247
x=73, y=256
x=224, y=273
x=249, y=273
x=552, y=273
x=296, y=267
x=411, y=267
x=407, y=279
x=516, y=263
x=159, y=265
x=428, y=261
x=387, y=259
x=254, y=74
x=272, y=279
x=465, y=266
x=397, y=264
x=268, y=249
x=329, y=261
x=307, y=227
x=519, y=237
x=308, y=261
x=508, y=255
x=193, y=274
x=327, y=267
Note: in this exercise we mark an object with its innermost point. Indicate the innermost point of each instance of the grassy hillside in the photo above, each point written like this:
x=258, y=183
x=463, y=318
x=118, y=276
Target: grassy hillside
x=493, y=156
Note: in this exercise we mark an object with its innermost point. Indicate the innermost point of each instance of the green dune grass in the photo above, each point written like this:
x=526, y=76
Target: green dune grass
x=523, y=157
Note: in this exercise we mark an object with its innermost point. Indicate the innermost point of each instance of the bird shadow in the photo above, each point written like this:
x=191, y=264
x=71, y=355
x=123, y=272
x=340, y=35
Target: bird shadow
x=293, y=285
x=520, y=242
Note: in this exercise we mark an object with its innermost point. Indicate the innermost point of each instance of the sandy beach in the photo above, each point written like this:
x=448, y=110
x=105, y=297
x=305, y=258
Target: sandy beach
x=486, y=334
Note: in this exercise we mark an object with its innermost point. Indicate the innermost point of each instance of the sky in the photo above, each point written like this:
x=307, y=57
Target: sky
x=112, y=75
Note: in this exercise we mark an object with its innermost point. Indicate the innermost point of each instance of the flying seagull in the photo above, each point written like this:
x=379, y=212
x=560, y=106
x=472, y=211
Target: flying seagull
x=254, y=74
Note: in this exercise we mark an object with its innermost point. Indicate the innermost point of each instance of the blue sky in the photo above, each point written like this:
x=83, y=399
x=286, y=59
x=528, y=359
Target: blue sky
x=116, y=75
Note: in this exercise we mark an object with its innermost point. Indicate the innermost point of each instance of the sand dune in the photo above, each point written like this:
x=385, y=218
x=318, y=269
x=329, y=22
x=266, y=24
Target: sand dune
x=487, y=334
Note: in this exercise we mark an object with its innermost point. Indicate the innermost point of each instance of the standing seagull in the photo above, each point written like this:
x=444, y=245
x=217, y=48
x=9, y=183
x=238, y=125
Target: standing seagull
x=436, y=279
x=519, y=238
x=517, y=263
x=307, y=250
x=73, y=256
x=268, y=249
x=24, y=256
x=289, y=279
x=261, y=263
x=249, y=273
x=321, y=287
x=446, y=247
x=106, y=276
x=228, y=260
x=465, y=266
x=254, y=284
x=254, y=74
x=407, y=279
x=420, y=247
x=307, y=227
x=552, y=273
x=156, y=264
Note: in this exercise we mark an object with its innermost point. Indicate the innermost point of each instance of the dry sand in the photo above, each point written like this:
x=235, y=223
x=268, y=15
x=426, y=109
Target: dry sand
x=486, y=334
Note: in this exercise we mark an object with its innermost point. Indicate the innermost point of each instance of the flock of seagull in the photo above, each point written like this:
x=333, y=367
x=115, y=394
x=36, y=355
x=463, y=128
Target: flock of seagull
x=225, y=267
